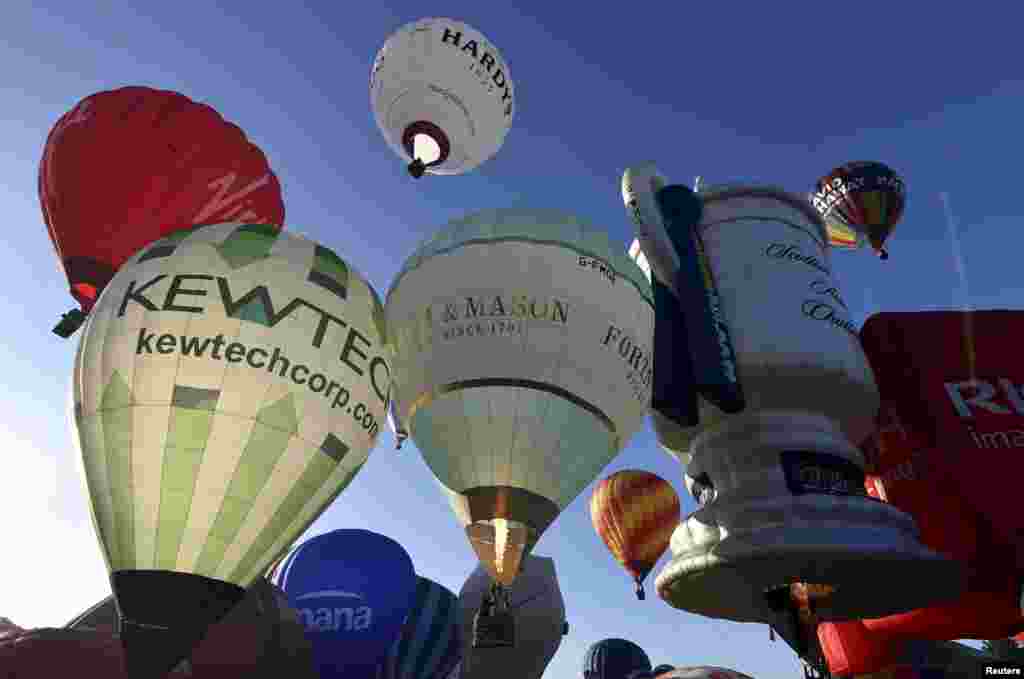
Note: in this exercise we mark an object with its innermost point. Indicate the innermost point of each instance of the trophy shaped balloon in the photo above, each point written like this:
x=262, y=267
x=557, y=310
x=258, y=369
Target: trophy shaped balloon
x=761, y=389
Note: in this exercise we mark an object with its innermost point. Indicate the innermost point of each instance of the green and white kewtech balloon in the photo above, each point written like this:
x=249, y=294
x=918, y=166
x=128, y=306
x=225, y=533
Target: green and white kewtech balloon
x=230, y=383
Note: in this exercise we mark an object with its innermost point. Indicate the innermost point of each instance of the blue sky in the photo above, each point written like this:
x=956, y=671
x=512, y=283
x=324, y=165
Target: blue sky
x=773, y=92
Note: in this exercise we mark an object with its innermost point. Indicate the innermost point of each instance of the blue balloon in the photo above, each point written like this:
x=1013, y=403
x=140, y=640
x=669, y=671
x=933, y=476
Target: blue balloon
x=614, y=659
x=353, y=590
x=430, y=644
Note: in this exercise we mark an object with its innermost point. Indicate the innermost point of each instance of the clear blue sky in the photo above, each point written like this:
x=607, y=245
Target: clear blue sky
x=777, y=92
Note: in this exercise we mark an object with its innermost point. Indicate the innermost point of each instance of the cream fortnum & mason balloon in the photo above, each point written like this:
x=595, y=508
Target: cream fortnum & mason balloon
x=522, y=362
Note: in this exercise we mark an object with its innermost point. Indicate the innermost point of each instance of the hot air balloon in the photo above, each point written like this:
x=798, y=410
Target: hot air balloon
x=442, y=95
x=522, y=348
x=260, y=634
x=779, y=484
x=353, y=589
x=989, y=607
x=635, y=513
x=703, y=672
x=217, y=418
x=430, y=643
x=963, y=369
x=539, y=612
x=861, y=201
x=614, y=659
x=48, y=652
x=128, y=166
x=933, y=447
x=101, y=617
x=944, y=453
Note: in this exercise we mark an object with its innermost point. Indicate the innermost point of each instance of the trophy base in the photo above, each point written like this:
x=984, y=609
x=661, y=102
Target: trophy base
x=874, y=570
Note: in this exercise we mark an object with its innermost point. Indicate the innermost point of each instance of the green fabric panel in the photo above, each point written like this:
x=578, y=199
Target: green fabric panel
x=314, y=476
x=281, y=415
x=94, y=458
x=264, y=448
x=116, y=417
x=117, y=434
x=183, y=453
x=247, y=244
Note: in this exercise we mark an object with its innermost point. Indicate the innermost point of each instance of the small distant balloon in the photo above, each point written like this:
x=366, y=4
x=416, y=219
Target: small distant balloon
x=442, y=96
x=861, y=201
x=125, y=167
x=703, y=672
x=614, y=658
x=634, y=512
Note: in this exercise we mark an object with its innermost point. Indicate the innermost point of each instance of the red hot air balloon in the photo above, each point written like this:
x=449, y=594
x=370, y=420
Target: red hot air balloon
x=128, y=166
x=635, y=513
x=946, y=452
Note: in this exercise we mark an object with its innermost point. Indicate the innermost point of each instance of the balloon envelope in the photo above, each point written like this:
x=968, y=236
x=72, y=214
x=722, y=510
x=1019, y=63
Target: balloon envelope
x=441, y=81
x=261, y=636
x=539, y=612
x=851, y=648
x=634, y=512
x=430, y=643
x=127, y=166
x=614, y=659
x=703, y=672
x=217, y=417
x=353, y=589
x=945, y=453
x=522, y=347
x=860, y=199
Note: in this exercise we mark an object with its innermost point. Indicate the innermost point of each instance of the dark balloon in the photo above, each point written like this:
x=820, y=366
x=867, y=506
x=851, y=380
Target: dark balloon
x=353, y=589
x=261, y=636
x=614, y=659
x=128, y=166
x=703, y=672
x=865, y=197
x=430, y=643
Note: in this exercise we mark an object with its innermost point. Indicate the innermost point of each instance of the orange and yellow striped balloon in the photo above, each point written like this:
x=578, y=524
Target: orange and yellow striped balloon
x=635, y=513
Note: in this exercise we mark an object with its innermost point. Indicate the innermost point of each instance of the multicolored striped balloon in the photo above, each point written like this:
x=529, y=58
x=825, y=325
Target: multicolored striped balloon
x=635, y=513
x=861, y=201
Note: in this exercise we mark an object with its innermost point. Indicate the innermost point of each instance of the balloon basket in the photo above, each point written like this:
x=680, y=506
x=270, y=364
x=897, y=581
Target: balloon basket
x=69, y=323
x=497, y=630
x=783, y=502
